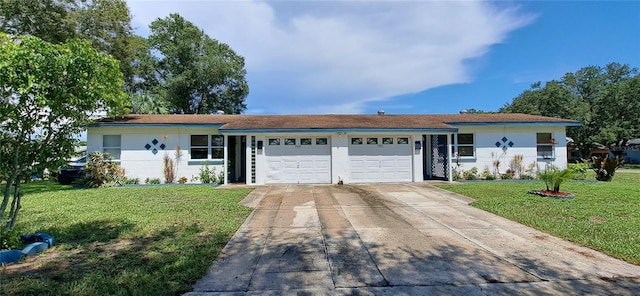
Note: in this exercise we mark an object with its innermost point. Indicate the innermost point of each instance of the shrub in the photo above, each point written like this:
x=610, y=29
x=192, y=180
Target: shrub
x=152, y=181
x=169, y=169
x=487, y=175
x=101, y=171
x=9, y=238
x=183, y=180
x=554, y=177
x=207, y=175
x=131, y=181
x=457, y=176
x=470, y=174
x=579, y=170
x=605, y=168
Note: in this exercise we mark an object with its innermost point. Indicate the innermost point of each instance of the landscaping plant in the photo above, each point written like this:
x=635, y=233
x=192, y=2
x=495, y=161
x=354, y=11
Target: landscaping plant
x=553, y=178
x=101, y=171
x=605, y=168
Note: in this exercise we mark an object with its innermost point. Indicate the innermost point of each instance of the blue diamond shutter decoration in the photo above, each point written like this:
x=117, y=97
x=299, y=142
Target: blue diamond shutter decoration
x=498, y=144
x=147, y=146
x=155, y=151
x=504, y=148
x=504, y=139
x=155, y=142
x=162, y=146
x=510, y=144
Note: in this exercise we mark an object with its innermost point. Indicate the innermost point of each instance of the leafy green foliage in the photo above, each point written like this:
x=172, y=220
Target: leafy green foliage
x=105, y=24
x=101, y=171
x=554, y=177
x=209, y=175
x=605, y=168
x=153, y=181
x=579, y=170
x=142, y=240
x=604, y=215
x=9, y=238
x=188, y=71
x=606, y=100
x=48, y=93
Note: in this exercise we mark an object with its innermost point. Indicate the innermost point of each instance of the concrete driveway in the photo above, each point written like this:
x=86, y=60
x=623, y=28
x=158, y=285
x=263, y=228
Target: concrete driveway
x=400, y=239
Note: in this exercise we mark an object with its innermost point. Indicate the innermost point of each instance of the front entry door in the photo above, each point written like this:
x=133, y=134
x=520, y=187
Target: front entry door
x=435, y=157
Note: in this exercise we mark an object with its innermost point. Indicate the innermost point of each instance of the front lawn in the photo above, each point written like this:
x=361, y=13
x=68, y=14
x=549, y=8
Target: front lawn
x=130, y=240
x=604, y=215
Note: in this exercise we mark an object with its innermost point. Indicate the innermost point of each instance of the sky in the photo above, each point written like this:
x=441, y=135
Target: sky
x=405, y=57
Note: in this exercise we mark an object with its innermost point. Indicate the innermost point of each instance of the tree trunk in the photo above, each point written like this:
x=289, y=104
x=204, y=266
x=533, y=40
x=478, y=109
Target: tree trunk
x=15, y=206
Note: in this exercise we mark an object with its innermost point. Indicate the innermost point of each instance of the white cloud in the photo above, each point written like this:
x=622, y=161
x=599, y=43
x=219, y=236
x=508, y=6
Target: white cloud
x=330, y=56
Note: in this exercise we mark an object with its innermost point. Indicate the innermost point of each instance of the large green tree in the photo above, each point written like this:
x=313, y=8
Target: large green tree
x=189, y=71
x=104, y=23
x=606, y=100
x=48, y=94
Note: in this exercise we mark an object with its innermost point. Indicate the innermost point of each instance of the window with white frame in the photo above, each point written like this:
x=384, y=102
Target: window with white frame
x=544, y=145
x=111, y=145
x=466, y=146
x=207, y=147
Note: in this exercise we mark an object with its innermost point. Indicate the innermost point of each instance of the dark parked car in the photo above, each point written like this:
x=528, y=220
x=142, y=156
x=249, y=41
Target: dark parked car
x=72, y=171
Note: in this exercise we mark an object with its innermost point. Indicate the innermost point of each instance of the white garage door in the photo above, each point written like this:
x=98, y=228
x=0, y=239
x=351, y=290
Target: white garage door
x=298, y=160
x=379, y=159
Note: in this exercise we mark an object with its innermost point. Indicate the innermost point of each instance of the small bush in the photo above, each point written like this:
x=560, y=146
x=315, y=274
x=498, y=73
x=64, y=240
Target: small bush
x=457, y=176
x=207, y=175
x=486, y=174
x=131, y=181
x=9, y=238
x=183, y=180
x=579, y=170
x=101, y=171
x=526, y=177
x=471, y=174
x=152, y=181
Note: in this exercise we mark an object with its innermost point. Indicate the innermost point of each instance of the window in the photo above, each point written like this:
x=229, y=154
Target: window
x=356, y=141
x=111, y=145
x=321, y=141
x=305, y=141
x=465, y=145
x=403, y=141
x=544, y=145
x=217, y=146
x=274, y=142
x=205, y=147
x=387, y=141
x=289, y=141
x=372, y=141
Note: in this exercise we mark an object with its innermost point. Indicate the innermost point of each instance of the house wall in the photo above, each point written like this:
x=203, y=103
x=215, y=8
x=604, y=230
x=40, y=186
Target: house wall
x=141, y=163
x=524, y=143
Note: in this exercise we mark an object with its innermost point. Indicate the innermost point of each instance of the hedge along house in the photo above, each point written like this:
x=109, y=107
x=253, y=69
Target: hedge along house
x=316, y=149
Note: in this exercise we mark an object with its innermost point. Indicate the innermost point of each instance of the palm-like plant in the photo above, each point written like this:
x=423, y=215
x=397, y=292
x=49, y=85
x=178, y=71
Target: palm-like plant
x=553, y=177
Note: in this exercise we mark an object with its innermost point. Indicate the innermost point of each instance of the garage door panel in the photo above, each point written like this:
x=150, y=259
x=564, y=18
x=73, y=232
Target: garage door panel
x=380, y=163
x=298, y=164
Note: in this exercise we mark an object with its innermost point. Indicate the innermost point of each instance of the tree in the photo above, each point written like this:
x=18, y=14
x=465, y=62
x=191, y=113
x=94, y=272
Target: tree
x=189, y=71
x=606, y=100
x=48, y=94
x=104, y=23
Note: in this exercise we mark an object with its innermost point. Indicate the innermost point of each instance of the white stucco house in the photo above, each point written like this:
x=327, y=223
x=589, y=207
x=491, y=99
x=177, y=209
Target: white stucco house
x=271, y=149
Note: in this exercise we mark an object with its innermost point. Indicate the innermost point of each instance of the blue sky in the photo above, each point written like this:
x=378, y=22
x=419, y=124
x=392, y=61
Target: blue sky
x=406, y=56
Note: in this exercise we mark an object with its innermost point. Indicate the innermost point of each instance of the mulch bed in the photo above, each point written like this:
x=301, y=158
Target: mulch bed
x=549, y=193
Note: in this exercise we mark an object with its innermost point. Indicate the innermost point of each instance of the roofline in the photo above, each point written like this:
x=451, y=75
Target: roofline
x=109, y=124
x=338, y=130
x=519, y=123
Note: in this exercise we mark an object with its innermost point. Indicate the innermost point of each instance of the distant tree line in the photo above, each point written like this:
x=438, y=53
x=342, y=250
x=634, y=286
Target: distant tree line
x=606, y=100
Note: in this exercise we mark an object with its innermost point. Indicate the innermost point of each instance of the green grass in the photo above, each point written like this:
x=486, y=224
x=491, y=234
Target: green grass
x=148, y=240
x=604, y=215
